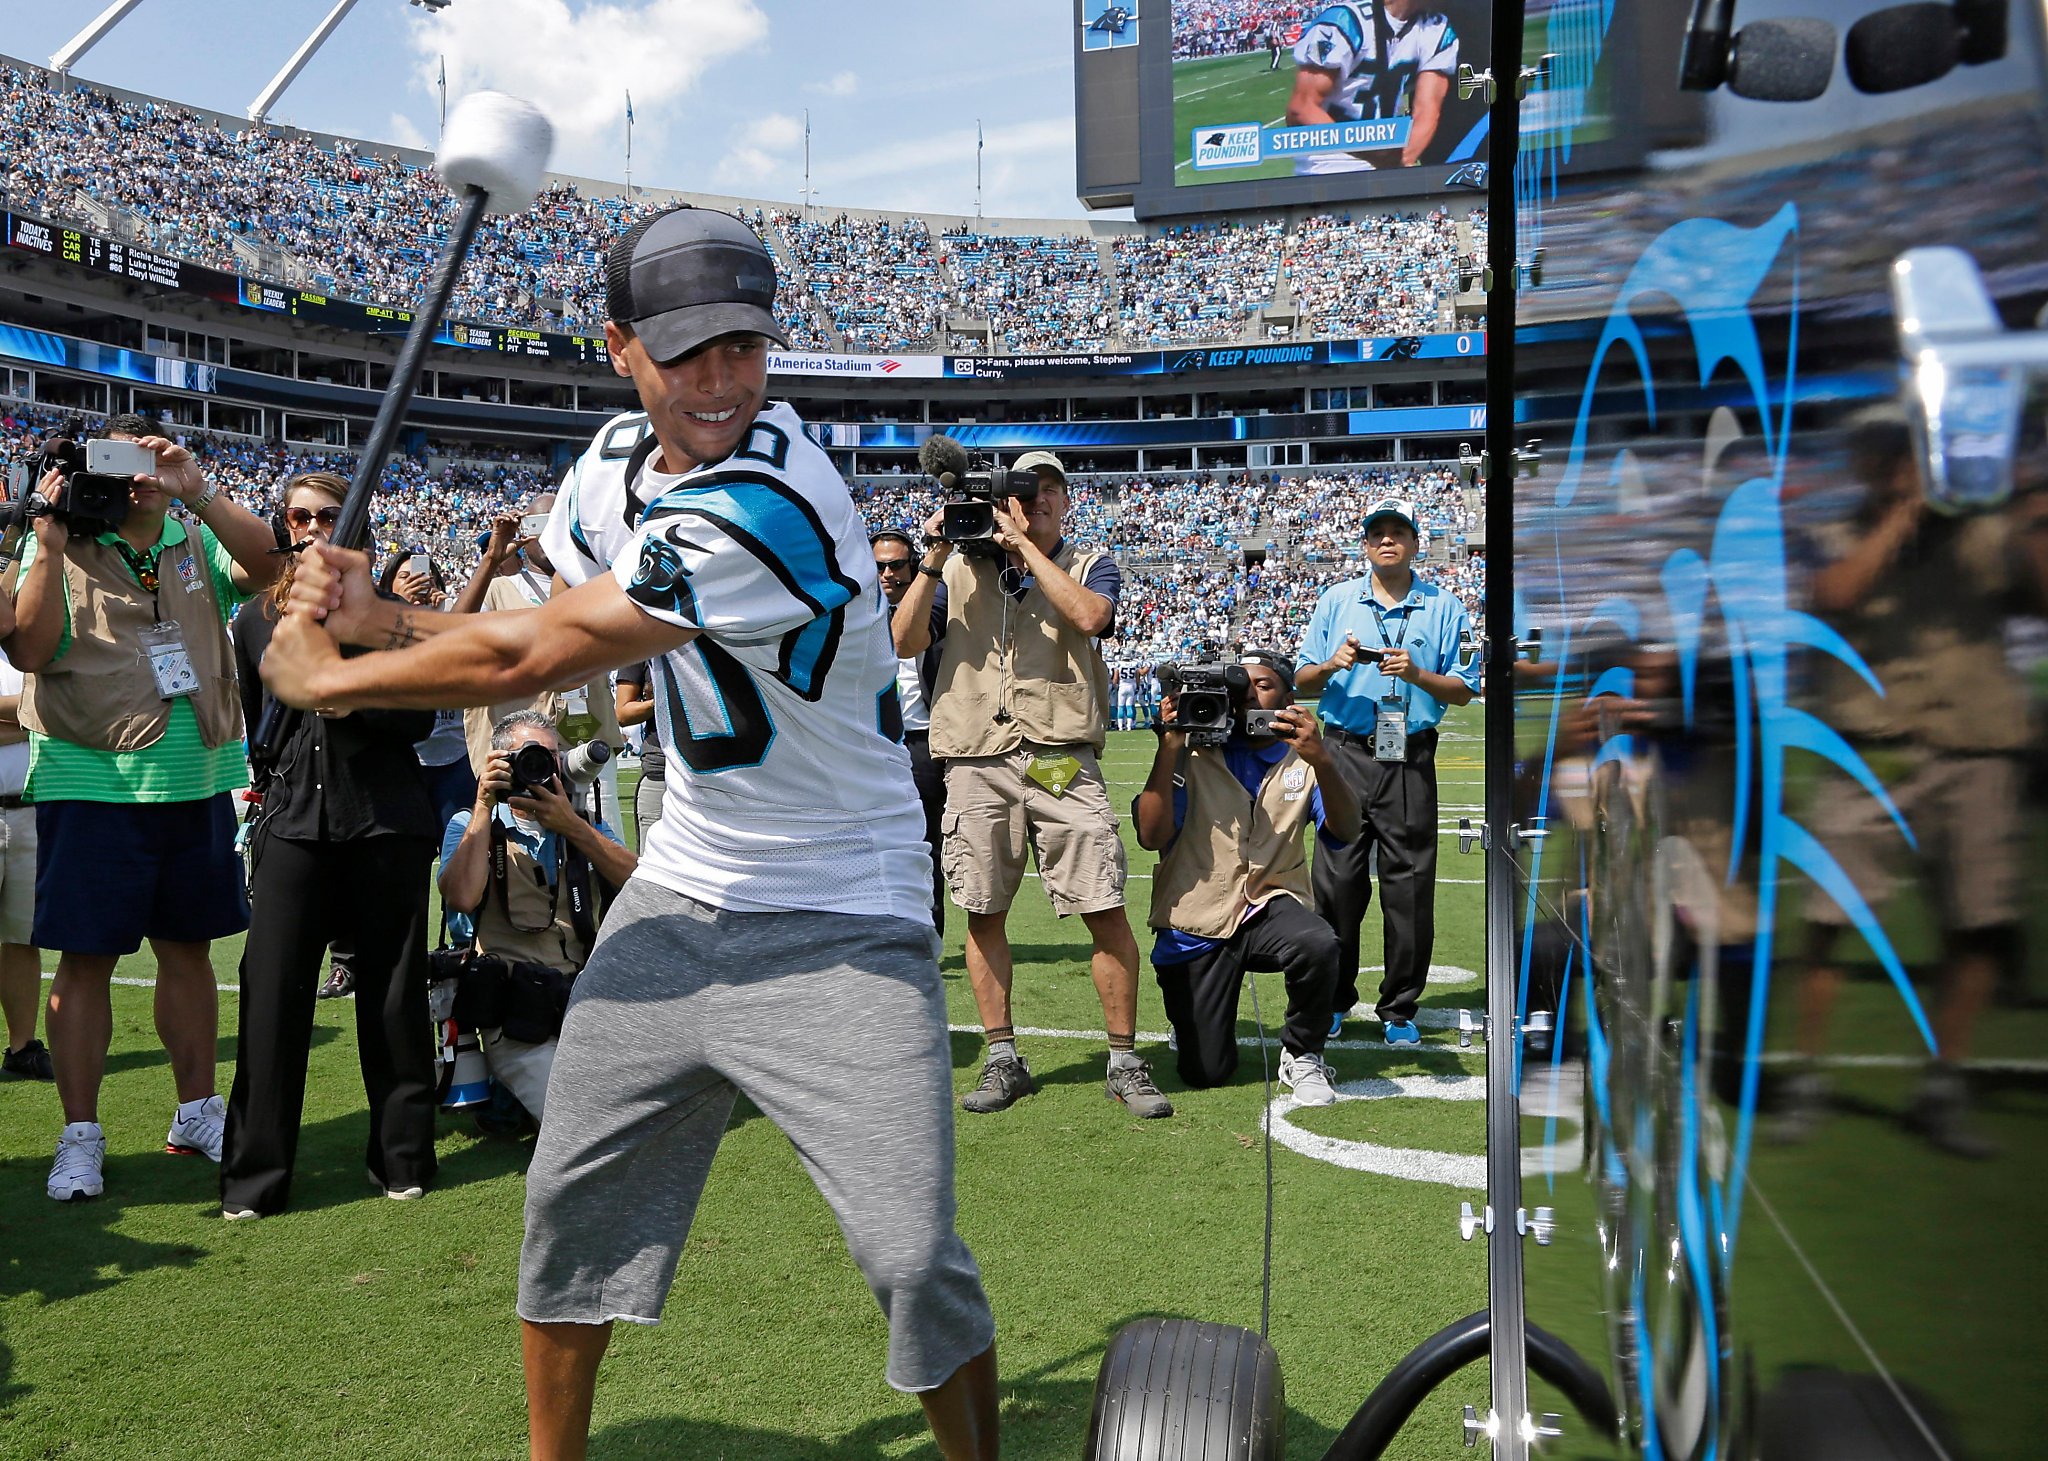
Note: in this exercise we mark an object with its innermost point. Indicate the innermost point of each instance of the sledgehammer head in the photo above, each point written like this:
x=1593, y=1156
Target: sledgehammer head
x=498, y=143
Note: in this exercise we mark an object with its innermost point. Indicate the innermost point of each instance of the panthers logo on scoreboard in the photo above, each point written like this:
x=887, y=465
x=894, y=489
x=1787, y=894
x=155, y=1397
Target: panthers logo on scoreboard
x=1108, y=24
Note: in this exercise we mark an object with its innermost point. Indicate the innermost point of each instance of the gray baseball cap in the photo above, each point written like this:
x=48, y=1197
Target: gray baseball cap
x=688, y=275
x=1031, y=461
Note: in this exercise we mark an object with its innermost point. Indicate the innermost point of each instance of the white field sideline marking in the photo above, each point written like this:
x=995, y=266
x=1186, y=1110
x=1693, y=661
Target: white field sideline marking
x=1448, y=1169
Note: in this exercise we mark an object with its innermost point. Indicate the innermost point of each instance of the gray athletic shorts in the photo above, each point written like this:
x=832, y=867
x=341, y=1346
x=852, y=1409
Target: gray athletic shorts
x=835, y=1026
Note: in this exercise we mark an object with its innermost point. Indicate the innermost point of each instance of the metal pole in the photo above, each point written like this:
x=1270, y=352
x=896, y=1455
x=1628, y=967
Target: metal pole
x=259, y=109
x=443, y=85
x=354, y=525
x=629, y=146
x=1507, y=1350
x=977, y=167
x=85, y=40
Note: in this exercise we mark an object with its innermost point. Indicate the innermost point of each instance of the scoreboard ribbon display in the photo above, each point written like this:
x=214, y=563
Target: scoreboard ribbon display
x=1247, y=144
x=103, y=256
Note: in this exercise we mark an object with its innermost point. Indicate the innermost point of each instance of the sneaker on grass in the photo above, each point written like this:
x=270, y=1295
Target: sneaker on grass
x=1132, y=1085
x=81, y=1153
x=196, y=1129
x=31, y=1062
x=1336, y=1023
x=1402, y=1032
x=396, y=1194
x=1309, y=1076
x=1003, y=1084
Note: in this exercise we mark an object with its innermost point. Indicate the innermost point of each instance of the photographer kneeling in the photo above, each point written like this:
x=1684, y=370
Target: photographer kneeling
x=1227, y=810
x=525, y=866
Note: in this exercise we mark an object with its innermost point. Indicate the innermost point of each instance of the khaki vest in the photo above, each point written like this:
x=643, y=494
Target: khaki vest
x=1234, y=850
x=1048, y=674
x=101, y=694
x=556, y=946
x=598, y=721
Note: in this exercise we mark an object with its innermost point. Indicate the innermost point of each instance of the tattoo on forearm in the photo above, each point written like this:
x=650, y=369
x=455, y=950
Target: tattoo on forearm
x=403, y=634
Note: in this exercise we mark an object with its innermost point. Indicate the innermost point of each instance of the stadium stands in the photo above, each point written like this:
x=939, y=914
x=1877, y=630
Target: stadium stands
x=359, y=222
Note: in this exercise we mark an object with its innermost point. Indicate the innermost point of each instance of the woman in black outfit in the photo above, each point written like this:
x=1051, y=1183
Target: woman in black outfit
x=342, y=842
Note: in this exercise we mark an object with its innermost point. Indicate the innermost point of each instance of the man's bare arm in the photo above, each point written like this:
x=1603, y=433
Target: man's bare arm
x=483, y=659
x=1309, y=103
x=1431, y=87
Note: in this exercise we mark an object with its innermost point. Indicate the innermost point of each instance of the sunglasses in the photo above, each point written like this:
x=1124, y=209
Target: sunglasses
x=893, y=565
x=300, y=517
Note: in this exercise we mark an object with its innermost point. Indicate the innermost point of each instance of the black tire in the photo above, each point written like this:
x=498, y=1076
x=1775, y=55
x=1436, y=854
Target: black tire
x=1178, y=1390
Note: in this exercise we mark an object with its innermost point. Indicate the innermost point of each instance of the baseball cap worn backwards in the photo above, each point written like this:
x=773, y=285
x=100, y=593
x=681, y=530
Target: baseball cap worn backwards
x=1391, y=507
x=684, y=277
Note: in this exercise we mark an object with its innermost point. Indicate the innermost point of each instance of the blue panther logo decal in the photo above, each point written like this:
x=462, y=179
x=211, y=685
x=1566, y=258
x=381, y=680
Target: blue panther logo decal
x=661, y=578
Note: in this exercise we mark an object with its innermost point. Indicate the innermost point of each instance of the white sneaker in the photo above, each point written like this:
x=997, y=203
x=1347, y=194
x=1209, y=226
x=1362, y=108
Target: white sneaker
x=81, y=1153
x=396, y=1194
x=1309, y=1077
x=196, y=1129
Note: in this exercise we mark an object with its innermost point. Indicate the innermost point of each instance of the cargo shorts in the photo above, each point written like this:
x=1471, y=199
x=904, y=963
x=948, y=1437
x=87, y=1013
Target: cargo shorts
x=995, y=810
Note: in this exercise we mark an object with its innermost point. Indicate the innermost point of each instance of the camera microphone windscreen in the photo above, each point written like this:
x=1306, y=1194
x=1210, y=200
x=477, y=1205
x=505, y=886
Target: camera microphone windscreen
x=1782, y=60
x=944, y=459
x=1902, y=47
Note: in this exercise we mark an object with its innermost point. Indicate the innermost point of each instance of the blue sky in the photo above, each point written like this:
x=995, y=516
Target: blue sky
x=719, y=86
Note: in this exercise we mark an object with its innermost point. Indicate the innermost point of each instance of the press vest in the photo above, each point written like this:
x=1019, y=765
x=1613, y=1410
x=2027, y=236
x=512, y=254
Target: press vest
x=1234, y=850
x=526, y=889
x=1046, y=673
x=101, y=693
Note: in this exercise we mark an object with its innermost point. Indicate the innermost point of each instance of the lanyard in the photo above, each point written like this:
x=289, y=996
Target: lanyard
x=143, y=566
x=1398, y=688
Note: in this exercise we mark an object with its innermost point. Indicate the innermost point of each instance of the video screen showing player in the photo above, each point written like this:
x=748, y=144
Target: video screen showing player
x=1375, y=60
x=1282, y=88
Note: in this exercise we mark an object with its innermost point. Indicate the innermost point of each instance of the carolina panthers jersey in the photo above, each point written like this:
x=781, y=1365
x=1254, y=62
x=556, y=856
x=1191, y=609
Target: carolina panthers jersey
x=594, y=514
x=788, y=786
x=1377, y=59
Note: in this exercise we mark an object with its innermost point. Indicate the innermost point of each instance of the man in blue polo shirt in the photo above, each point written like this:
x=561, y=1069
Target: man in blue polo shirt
x=1386, y=653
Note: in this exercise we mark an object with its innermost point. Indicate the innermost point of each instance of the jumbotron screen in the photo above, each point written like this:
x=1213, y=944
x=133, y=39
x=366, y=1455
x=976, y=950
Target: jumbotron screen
x=1311, y=88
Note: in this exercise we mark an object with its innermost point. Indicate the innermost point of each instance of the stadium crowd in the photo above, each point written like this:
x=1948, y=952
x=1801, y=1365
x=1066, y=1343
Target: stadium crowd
x=357, y=222
x=1203, y=28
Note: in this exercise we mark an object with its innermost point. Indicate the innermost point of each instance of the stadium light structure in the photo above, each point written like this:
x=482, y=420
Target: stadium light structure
x=259, y=109
x=85, y=40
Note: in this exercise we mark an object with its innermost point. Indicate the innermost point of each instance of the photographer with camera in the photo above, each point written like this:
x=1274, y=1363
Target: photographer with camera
x=136, y=742
x=338, y=854
x=1019, y=716
x=524, y=870
x=1226, y=805
x=1387, y=654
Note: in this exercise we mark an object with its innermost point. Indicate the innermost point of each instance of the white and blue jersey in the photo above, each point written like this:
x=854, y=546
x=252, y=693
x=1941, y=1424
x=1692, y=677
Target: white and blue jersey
x=788, y=786
x=1377, y=60
x=595, y=515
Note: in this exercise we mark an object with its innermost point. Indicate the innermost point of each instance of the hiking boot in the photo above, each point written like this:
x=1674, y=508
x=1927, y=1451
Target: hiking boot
x=196, y=1129
x=1003, y=1084
x=1132, y=1085
x=81, y=1153
x=1309, y=1076
x=31, y=1062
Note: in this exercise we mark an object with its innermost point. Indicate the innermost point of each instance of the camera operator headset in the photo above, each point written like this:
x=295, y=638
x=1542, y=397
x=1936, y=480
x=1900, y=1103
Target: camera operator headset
x=338, y=854
x=1225, y=807
x=529, y=869
x=1019, y=716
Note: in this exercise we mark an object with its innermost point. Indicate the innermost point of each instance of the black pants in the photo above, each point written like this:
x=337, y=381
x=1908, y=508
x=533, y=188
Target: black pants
x=1399, y=802
x=305, y=895
x=930, y=776
x=1202, y=994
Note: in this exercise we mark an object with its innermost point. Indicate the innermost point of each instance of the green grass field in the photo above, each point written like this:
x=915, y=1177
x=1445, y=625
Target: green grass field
x=141, y=1326
x=1222, y=89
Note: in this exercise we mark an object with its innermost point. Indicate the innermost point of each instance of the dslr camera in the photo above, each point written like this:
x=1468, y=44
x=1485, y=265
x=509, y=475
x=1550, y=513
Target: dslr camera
x=1205, y=698
x=96, y=477
x=970, y=506
x=533, y=764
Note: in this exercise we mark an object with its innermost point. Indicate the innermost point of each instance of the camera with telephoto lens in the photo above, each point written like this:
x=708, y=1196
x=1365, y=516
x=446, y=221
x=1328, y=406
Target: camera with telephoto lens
x=94, y=502
x=533, y=765
x=969, y=513
x=1205, y=696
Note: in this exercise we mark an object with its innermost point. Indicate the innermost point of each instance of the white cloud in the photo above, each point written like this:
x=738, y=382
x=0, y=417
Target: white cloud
x=756, y=152
x=402, y=132
x=577, y=64
x=776, y=132
x=951, y=154
x=843, y=83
